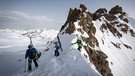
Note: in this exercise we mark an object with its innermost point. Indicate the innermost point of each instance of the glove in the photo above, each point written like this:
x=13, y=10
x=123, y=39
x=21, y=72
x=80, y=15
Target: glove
x=72, y=43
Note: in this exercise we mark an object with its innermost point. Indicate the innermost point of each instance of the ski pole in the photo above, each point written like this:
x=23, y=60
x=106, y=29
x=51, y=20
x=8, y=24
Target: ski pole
x=25, y=65
x=21, y=59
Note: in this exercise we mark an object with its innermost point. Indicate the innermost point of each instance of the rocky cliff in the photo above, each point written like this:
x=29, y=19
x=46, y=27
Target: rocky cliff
x=83, y=21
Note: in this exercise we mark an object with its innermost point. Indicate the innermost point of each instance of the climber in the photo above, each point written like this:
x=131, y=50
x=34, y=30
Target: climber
x=57, y=46
x=79, y=43
x=31, y=54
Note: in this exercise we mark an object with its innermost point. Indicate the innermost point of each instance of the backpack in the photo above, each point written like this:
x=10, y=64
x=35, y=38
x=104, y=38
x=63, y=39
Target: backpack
x=32, y=53
x=57, y=45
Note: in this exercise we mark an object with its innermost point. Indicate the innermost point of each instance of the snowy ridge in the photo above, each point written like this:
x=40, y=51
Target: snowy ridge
x=69, y=63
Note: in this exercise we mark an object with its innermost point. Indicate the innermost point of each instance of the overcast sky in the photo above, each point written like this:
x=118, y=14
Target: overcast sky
x=50, y=13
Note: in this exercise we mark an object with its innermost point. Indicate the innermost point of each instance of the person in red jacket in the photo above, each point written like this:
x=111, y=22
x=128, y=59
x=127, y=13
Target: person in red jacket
x=57, y=46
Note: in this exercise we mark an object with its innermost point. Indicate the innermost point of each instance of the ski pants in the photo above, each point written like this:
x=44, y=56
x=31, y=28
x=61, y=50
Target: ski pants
x=30, y=63
x=79, y=48
x=56, y=52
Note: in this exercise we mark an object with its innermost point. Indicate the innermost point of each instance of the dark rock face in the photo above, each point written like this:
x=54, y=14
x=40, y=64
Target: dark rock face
x=70, y=28
x=111, y=20
x=112, y=29
x=117, y=45
x=118, y=10
x=72, y=17
x=83, y=7
x=110, y=17
x=100, y=12
x=115, y=10
x=85, y=21
x=132, y=32
x=129, y=47
x=98, y=58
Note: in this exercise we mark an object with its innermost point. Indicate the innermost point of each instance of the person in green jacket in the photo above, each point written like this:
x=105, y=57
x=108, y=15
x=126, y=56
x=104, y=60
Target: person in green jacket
x=79, y=43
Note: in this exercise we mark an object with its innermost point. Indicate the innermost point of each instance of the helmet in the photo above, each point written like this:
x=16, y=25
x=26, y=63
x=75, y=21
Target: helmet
x=78, y=39
x=54, y=42
x=30, y=46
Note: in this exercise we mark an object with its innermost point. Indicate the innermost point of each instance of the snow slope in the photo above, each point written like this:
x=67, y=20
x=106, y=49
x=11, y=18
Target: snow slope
x=69, y=63
x=121, y=60
x=132, y=21
x=13, y=44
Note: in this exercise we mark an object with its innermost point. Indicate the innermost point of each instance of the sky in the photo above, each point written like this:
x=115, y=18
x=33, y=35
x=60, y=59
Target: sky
x=51, y=14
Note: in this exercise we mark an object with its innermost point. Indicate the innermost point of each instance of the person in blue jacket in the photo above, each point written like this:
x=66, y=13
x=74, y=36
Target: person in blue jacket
x=31, y=54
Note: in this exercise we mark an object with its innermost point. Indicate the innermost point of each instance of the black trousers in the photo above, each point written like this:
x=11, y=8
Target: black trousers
x=56, y=52
x=30, y=64
x=79, y=48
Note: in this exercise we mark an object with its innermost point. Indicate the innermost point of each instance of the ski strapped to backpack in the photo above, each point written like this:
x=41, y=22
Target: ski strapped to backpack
x=59, y=42
x=32, y=52
x=31, y=41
